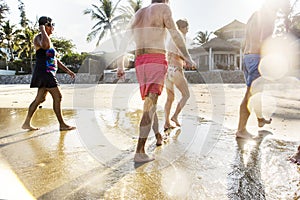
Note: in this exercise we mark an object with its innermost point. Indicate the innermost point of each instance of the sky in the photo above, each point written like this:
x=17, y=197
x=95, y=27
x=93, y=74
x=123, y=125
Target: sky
x=71, y=24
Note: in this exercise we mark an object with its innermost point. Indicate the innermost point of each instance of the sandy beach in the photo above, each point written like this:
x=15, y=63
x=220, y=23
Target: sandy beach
x=200, y=160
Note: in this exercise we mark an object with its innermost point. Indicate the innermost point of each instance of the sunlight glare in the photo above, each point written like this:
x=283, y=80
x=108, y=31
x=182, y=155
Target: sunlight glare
x=262, y=104
x=254, y=4
x=278, y=57
x=176, y=182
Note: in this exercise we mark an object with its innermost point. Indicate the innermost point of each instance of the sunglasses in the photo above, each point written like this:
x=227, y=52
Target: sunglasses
x=50, y=24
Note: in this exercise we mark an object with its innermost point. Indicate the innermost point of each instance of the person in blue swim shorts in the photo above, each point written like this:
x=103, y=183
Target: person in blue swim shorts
x=259, y=27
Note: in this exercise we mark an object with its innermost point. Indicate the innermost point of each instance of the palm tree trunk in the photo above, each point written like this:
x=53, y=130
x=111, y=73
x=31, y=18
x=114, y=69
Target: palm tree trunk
x=10, y=51
x=31, y=63
x=113, y=39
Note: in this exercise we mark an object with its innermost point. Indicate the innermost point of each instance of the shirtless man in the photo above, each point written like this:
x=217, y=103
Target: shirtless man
x=149, y=30
x=259, y=27
x=175, y=76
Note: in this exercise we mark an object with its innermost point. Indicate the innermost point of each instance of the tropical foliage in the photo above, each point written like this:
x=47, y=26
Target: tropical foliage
x=24, y=45
x=293, y=21
x=128, y=11
x=62, y=46
x=202, y=37
x=106, y=20
x=9, y=35
x=3, y=10
x=16, y=40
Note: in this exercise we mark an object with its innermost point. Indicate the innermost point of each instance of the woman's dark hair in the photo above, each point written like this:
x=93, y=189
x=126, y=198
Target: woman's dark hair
x=44, y=20
x=159, y=1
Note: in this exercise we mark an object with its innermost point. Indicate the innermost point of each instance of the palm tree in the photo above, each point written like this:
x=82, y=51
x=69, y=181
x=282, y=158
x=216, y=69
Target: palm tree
x=24, y=21
x=292, y=22
x=3, y=10
x=24, y=44
x=105, y=20
x=62, y=46
x=202, y=37
x=9, y=34
x=129, y=11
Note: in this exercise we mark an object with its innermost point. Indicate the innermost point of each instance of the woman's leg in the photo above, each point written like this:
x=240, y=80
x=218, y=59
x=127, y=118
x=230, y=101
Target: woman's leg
x=40, y=97
x=56, y=96
x=168, y=105
x=182, y=85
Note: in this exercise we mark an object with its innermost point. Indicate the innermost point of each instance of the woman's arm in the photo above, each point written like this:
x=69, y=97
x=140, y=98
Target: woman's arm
x=43, y=40
x=65, y=69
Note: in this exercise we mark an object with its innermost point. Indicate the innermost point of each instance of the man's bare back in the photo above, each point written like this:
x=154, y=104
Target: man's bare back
x=150, y=27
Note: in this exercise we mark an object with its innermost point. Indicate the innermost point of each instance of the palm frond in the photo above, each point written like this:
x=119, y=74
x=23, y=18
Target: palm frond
x=100, y=38
x=115, y=7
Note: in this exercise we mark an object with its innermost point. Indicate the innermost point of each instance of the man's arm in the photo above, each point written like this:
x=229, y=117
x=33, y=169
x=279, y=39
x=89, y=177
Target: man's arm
x=127, y=38
x=266, y=25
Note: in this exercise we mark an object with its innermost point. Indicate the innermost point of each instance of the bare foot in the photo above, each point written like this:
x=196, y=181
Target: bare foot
x=176, y=121
x=168, y=126
x=244, y=135
x=66, y=128
x=158, y=139
x=142, y=158
x=263, y=121
x=296, y=157
x=28, y=127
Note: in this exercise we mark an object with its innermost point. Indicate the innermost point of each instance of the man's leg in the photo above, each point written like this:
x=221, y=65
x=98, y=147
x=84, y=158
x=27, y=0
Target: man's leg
x=244, y=115
x=258, y=112
x=145, y=127
x=56, y=96
x=155, y=128
x=40, y=97
x=255, y=89
x=181, y=84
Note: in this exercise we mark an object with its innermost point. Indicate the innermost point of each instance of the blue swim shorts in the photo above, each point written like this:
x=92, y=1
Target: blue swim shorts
x=251, y=72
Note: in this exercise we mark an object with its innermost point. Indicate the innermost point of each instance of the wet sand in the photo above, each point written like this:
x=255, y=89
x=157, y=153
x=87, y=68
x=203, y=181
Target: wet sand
x=200, y=160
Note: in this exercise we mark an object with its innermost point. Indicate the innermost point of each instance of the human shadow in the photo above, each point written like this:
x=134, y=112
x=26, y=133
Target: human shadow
x=25, y=139
x=244, y=180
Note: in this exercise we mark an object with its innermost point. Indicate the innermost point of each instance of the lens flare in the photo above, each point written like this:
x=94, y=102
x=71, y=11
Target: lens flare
x=273, y=66
x=176, y=183
x=262, y=104
x=279, y=57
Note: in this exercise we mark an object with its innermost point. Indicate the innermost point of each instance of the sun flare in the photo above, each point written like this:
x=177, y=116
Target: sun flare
x=254, y=4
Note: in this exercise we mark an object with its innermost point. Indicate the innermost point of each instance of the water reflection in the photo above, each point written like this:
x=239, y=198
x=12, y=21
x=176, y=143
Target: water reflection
x=244, y=181
x=150, y=181
x=54, y=164
x=33, y=155
x=50, y=167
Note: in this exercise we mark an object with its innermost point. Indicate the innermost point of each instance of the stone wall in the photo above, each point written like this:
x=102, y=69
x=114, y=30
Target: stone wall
x=62, y=79
x=130, y=77
x=191, y=76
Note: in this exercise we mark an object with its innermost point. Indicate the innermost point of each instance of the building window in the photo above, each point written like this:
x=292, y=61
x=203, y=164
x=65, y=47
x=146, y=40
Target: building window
x=240, y=34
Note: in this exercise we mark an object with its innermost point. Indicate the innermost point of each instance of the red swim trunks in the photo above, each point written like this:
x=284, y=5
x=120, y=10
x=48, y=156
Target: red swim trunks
x=151, y=71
